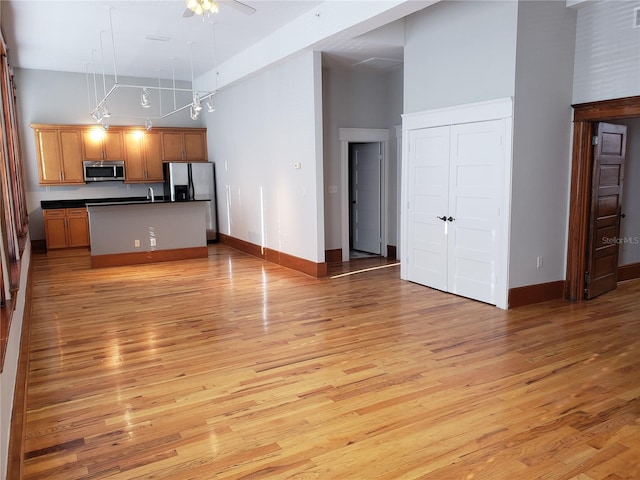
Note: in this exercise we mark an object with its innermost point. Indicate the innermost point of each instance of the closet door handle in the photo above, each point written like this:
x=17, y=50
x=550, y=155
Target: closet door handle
x=443, y=218
x=450, y=219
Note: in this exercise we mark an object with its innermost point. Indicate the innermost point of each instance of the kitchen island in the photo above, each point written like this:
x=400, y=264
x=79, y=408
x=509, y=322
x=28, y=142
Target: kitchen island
x=141, y=231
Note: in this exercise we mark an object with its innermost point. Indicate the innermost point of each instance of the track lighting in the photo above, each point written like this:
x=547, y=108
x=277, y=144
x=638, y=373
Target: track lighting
x=100, y=113
x=196, y=104
x=145, y=102
x=148, y=124
x=105, y=126
x=194, y=113
x=210, y=107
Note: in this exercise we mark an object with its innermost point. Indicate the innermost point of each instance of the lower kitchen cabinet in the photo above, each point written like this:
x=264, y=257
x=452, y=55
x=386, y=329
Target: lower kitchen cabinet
x=66, y=227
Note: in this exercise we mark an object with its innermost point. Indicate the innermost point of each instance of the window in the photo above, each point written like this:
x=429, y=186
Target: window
x=14, y=220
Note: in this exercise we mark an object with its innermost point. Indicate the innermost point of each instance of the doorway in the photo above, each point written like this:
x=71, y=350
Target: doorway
x=365, y=214
x=350, y=136
x=586, y=116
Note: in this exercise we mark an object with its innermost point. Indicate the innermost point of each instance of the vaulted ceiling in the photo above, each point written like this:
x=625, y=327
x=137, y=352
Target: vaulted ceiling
x=153, y=39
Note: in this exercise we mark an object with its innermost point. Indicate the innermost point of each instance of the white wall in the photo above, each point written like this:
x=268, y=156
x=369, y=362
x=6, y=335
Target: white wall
x=61, y=98
x=630, y=225
x=395, y=82
x=607, y=59
x=262, y=126
x=8, y=375
x=541, y=142
x=459, y=52
x=357, y=99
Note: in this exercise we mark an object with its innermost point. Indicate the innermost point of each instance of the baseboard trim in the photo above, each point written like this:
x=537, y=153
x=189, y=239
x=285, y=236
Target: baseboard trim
x=295, y=263
x=15, y=458
x=39, y=246
x=541, y=292
x=333, y=256
x=392, y=252
x=138, y=258
x=628, y=272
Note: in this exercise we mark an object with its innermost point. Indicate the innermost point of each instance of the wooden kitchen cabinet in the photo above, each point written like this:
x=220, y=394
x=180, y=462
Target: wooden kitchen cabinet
x=184, y=145
x=100, y=144
x=143, y=157
x=66, y=227
x=59, y=153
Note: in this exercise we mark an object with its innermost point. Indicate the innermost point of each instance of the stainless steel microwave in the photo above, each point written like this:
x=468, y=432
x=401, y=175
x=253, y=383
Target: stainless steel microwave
x=104, y=171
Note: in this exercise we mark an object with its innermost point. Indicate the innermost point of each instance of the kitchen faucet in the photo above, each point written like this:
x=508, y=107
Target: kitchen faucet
x=150, y=194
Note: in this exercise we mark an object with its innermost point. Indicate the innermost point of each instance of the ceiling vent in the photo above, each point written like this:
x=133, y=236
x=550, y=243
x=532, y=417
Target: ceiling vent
x=636, y=17
x=378, y=63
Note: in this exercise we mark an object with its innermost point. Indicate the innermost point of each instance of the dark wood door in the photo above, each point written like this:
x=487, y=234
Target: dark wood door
x=606, y=201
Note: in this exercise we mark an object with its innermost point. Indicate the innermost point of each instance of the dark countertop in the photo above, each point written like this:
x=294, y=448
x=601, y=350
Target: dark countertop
x=82, y=203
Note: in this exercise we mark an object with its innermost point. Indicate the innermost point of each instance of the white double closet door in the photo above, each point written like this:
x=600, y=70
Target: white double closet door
x=455, y=193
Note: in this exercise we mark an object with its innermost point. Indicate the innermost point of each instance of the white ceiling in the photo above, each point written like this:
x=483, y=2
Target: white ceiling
x=75, y=36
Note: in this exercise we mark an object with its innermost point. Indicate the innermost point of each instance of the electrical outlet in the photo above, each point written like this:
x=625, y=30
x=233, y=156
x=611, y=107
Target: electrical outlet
x=152, y=242
x=136, y=243
x=539, y=262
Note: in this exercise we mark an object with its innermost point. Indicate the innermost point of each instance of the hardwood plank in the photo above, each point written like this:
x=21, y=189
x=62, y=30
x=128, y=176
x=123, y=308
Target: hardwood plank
x=231, y=367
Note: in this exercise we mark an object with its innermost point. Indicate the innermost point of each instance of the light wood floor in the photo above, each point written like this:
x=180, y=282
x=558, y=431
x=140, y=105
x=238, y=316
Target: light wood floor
x=234, y=368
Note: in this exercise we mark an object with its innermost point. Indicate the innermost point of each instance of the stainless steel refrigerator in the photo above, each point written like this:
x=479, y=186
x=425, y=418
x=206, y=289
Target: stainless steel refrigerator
x=184, y=182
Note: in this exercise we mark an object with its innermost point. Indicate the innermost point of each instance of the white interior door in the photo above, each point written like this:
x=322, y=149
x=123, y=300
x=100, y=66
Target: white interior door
x=428, y=175
x=455, y=177
x=366, y=163
x=475, y=179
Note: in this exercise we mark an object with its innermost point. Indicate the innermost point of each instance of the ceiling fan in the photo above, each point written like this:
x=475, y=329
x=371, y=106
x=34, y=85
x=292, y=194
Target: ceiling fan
x=202, y=7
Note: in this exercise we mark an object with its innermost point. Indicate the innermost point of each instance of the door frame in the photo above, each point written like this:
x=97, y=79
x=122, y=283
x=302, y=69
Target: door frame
x=362, y=135
x=355, y=167
x=584, y=117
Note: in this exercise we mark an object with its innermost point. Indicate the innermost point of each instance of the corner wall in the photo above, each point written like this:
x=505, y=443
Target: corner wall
x=607, y=52
x=541, y=142
x=459, y=52
x=262, y=127
x=8, y=375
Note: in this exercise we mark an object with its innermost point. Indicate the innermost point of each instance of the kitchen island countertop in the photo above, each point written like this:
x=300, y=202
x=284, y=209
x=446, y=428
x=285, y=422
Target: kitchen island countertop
x=83, y=202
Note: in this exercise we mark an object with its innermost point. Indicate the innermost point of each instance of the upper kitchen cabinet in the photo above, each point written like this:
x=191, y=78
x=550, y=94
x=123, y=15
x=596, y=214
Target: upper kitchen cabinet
x=188, y=145
x=100, y=144
x=59, y=155
x=143, y=160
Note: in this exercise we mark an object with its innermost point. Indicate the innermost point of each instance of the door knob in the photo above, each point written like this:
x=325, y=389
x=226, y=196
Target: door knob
x=443, y=218
x=450, y=219
x=622, y=215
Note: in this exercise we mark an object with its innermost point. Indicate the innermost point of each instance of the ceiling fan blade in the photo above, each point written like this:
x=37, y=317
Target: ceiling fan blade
x=187, y=13
x=241, y=7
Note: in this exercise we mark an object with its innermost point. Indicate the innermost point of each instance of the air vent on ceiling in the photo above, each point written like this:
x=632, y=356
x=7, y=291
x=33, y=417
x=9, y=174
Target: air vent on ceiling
x=378, y=63
x=157, y=38
x=636, y=17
